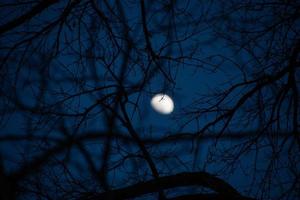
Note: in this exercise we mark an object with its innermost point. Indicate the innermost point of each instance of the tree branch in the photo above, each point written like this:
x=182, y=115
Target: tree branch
x=27, y=16
x=202, y=179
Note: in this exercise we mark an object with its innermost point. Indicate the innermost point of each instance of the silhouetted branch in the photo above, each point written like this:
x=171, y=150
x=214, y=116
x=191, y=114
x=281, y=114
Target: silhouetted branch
x=27, y=16
x=201, y=179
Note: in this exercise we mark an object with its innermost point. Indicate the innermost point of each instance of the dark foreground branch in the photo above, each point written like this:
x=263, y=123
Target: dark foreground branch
x=208, y=196
x=27, y=16
x=201, y=179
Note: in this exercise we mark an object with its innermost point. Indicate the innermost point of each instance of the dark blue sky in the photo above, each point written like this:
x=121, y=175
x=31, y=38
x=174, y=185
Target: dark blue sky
x=67, y=71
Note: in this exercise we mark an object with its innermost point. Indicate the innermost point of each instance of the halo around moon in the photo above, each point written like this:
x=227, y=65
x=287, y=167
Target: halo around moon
x=162, y=104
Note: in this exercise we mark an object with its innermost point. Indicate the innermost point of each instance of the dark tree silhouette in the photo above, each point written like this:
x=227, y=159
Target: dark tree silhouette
x=76, y=77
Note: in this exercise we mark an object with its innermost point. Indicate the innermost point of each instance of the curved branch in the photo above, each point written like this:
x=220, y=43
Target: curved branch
x=202, y=179
x=209, y=196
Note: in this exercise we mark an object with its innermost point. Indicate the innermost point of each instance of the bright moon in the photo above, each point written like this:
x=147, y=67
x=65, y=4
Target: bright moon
x=162, y=103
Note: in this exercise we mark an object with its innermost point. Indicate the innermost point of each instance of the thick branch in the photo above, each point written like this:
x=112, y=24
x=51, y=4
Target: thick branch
x=202, y=179
x=27, y=16
x=208, y=196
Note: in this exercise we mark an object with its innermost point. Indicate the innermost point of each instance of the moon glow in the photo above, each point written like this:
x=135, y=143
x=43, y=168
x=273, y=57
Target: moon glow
x=162, y=104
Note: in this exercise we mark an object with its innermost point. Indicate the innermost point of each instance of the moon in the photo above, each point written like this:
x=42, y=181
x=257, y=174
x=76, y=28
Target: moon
x=162, y=104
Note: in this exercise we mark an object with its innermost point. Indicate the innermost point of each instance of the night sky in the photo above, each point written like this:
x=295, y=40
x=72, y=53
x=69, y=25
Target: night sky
x=77, y=78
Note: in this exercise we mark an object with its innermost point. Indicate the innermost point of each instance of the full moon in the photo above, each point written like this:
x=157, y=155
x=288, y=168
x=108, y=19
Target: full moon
x=162, y=103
